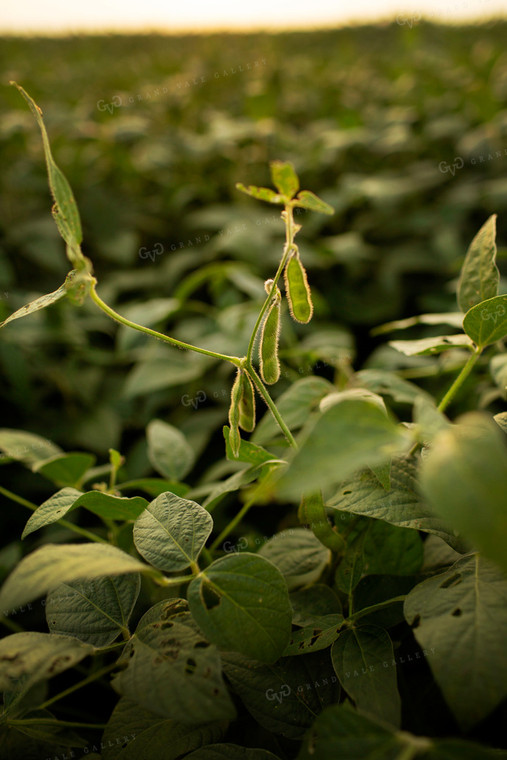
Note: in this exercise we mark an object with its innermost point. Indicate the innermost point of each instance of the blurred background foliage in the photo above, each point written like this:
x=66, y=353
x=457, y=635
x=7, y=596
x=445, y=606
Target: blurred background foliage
x=402, y=129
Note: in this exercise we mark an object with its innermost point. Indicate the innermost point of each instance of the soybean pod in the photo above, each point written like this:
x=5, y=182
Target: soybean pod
x=234, y=413
x=247, y=404
x=297, y=290
x=268, y=346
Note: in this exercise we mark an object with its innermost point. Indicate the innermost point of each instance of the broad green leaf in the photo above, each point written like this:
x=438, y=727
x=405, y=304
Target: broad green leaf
x=298, y=554
x=350, y=570
x=429, y=346
x=284, y=178
x=294, y=405
x=102, y=504
x=350, y=435
x=261, y=193
x=361, y=657
x=387, y=383
x=452, y=318
x=464, y=478
x=479, y=274
x=402, y=505
x=174, y=672
x=39, y=303
x=168, y=450
x=158, y=374
x=341, y=732
x=28, y=657
x=389, y=550
x=171, y=532
x=95, y=611
x=460, y=617
x=65, y=211
x=283, y=697
x=134, y=733
x=438, y=554
x=66, y=469
x=248, y=452
x=312, y=638
x=242, y=604
x=52, y=564
x=307, y=199
x=314, y=602
x=428, y=420
x=231, y=752
x=25, y=447
x=487, y=322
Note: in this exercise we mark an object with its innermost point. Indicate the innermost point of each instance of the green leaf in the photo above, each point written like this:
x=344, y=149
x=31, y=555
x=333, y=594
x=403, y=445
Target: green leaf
x=66, y=469
x=298, y=554
x=29, y=657
x=353, y=434
x=47, y=567
x=284, y=178
x=361, y=658
x=307, y=199
x=175, y=673
x=261, y=193
x=312, y=638
x=479, y=274
x=430, y=346
x=242, y=604
x=452, y=318
x=168, y=450
x=464, y=478
x=155, y=486
x=294, y=405
x=283, y=697
x=460, y=617
x=134, y=733
x=402, y=505
x=102, y=504
x=388, y=383
x=248, y=452
x=341, y=732
x=39, y=303
x=487, y=322
x=230, y=752
x=389, y=550
x=65, y=211
x=428, y=420
x=314, y=602
x=95, y=611
x=25, y=447
x=171, y=532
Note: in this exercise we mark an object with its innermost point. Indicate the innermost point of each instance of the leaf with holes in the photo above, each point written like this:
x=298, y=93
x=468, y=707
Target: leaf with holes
x=460, y=617
x=242, y=604
x=171, y=532
x=95, y=611
x=174, y=672
x=358, y=657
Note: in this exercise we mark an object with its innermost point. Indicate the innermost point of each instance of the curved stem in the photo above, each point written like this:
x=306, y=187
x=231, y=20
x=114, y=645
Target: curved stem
x=289, y=244
x=65, y=523
x=232, y=524
x=154, y=333
x=459, y=380
x=92, y=677
x=270, y=403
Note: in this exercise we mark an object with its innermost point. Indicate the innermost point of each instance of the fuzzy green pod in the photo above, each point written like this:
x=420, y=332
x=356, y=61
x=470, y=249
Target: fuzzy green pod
x=268, y=346
x=234, y=413
x=297, y=290
x=247, y=404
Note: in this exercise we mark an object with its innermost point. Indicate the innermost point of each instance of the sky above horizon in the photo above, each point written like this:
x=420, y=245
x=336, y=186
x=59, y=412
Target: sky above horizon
x=60, y=16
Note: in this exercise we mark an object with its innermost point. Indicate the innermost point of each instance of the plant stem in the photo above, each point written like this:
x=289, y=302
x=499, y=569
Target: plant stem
x=4, y=620
x=53, y=722
x=375, y=607
x=79, y=685
x=173, y=341
x=270, y=403
x=232, y=524
x=289, y=244
x=65, y=523
x=459, y=380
